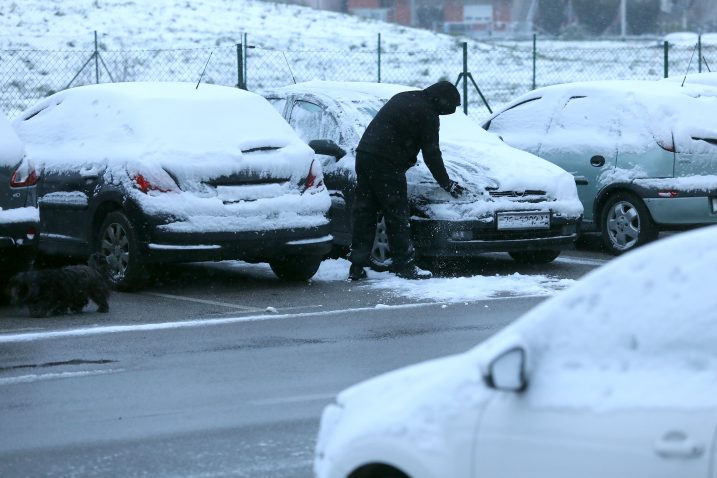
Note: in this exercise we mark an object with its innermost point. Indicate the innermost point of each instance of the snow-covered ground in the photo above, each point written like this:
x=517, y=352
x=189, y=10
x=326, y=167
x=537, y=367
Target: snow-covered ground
x=291, y=43
x=437, y=289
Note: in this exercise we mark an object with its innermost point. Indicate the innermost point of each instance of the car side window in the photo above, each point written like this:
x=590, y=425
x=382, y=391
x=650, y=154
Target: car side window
x=306, y=119
x=523, y=125
x=330, y=129
x=580, y=119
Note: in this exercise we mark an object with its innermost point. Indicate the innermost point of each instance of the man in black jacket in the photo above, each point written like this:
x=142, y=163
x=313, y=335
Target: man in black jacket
x=406, y=124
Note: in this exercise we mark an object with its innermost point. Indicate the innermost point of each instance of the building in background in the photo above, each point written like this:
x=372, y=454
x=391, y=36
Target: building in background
x=483, y=18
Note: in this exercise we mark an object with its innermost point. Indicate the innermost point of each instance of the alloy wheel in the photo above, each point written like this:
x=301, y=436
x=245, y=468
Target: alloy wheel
x=115, y=247
x=623, y=225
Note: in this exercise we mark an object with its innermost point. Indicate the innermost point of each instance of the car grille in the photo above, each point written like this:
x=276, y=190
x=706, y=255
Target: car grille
x=529, y=195
x=484, y=235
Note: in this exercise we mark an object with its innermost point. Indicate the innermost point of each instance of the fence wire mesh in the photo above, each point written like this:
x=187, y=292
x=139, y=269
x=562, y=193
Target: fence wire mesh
x=501, y=70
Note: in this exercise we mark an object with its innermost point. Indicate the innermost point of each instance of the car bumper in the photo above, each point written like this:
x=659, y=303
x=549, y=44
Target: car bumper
x=683, y=211
x=256, y=246
x=470, y=238
x=18, y=244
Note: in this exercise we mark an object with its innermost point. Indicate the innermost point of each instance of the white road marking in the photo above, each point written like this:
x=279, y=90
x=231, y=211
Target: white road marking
x=113, y=329
x=294, y=399
x=582, y=261
x=205, y=301
x=54, y=376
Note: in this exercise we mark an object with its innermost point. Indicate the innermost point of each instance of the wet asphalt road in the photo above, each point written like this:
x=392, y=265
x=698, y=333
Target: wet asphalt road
x=195, y=377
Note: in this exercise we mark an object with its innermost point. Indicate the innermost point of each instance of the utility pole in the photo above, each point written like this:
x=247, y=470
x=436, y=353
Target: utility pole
x=623, y=18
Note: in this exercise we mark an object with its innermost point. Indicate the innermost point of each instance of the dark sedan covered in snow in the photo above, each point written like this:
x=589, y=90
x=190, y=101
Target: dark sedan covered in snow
x=148, y=173
x=515, y=202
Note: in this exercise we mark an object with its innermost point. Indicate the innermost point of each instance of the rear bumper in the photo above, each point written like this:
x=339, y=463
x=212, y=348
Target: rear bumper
x=472, y=238
x=17, y=247
x=254, y=246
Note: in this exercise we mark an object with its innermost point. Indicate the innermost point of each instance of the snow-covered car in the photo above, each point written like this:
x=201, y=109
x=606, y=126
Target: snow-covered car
x=615, y=376
x=149, y=173
x=515, y=203
x=643, y=153
x=18, y=211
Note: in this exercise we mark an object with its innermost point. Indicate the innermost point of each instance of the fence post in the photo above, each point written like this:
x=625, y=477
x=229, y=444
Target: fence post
x=535, y=57
x=97, y=61
x=699, y=53
x=465, y=78
x=240, y=67
x=666, y=59
x=379, y=58
x=245, y=73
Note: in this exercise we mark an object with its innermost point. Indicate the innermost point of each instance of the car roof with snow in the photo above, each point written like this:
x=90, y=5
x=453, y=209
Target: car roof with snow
x=667, y=111
x=152, y=120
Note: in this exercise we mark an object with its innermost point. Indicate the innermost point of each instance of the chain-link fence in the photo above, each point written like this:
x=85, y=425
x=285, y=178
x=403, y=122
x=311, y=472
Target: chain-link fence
x=498, y=70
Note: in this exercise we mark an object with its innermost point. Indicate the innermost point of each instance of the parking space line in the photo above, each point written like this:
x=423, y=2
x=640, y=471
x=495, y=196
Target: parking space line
x=206, y=302
x=294, y=399
x=113, y=329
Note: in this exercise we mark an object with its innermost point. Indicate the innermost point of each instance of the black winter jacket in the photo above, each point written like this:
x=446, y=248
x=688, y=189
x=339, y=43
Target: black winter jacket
x=409, y=123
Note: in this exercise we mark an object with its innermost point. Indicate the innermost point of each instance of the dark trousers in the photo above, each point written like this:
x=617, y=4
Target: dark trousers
x=380, y=188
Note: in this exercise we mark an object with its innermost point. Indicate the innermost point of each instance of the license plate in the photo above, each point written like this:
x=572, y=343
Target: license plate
x=523, y=220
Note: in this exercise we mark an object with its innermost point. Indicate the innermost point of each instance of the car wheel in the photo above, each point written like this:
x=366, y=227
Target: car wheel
x=296, y=268
x=626, y=223
x=380, y=257
x=534, y=257
x=117, y=241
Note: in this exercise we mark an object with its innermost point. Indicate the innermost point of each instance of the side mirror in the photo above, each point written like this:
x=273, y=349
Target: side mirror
x=327, y=147
x=507, y=371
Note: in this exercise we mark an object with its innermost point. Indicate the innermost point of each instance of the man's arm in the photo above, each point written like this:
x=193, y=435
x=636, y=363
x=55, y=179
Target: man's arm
x=432, y=153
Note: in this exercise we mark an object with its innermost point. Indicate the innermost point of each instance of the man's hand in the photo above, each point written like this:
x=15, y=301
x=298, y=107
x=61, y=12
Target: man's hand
x=454, y=189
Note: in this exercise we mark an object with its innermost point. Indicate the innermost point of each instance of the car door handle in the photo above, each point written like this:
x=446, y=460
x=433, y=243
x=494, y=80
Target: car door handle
x=597, y=161
x=581, y=181
x=676, y=444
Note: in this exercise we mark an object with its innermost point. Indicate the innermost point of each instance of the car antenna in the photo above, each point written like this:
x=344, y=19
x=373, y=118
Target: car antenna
x=688, y=66
x=205, y=69
x=289, y=67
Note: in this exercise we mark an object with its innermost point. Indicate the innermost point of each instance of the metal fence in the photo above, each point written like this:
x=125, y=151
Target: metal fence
x=497, y=70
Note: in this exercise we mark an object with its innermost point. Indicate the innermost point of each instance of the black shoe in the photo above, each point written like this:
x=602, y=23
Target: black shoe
x=413, y=273
x=357, y=272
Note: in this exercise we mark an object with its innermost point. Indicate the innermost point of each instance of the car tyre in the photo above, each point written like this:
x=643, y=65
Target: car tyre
x=117, y=241
x=626, y=223
x=296, y=268
x=534, y=257
x=380, y=258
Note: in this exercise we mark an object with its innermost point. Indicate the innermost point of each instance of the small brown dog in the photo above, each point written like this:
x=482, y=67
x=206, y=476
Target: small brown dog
x=67, y=289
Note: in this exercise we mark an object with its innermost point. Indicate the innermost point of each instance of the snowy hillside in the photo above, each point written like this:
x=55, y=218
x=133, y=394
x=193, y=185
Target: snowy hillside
x=46, y=46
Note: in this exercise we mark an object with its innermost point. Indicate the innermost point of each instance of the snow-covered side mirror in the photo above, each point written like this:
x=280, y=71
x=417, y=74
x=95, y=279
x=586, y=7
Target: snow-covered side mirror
x=507, y=371
x=327, y=147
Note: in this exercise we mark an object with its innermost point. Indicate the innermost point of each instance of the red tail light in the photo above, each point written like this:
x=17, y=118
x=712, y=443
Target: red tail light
x=145, y=185
x=315, y=178
x=23, y=176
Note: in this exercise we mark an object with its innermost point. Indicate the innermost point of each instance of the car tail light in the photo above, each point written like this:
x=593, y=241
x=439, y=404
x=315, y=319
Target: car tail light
x=147, y=183
x=668, y=144
x=23, y=176
x=315, y=178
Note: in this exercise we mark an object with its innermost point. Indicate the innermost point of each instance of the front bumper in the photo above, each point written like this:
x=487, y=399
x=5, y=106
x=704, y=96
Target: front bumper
x=471, y=238
x=252, y=246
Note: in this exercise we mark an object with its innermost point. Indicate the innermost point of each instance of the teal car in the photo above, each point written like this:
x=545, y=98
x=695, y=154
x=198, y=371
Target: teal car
x=643, y=153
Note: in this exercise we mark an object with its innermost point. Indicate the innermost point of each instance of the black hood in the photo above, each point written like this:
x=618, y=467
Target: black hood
x=444, y=97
